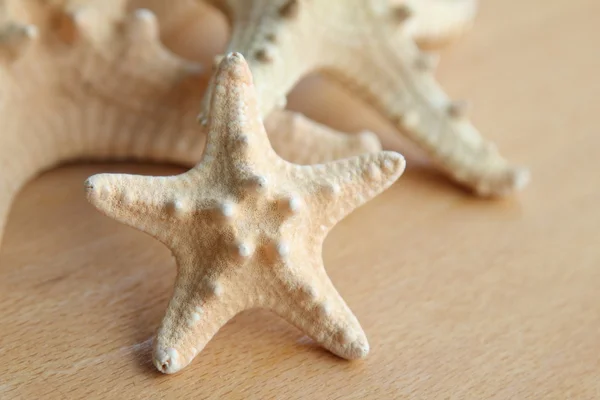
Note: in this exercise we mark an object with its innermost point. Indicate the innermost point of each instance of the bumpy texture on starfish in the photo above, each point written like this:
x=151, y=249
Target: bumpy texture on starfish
x=368, y=46
x=247, y=227
x=83, y=79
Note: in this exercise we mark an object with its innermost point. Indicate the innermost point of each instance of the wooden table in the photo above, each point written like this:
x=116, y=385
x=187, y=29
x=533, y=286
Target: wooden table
x=460, y=297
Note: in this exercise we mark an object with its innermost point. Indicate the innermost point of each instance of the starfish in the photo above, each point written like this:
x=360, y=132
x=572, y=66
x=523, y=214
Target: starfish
x=435, y=23
x=368, y=46
x=84, y=80
x=246, y=227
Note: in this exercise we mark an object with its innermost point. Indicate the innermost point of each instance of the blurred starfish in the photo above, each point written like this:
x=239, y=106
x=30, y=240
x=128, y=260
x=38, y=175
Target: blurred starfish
x=369, y=46
x=86, y=80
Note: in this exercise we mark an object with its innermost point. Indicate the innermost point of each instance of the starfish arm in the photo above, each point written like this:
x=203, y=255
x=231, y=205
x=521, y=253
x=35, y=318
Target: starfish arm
x=300, y=140
x=310, y=302
x=437, y=23
x=397, y=79
x=236, y=133
x=147, y=203
x=335, y=189
x=198, y=308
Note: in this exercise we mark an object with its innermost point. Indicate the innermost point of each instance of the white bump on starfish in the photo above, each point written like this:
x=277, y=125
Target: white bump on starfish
x=204, y=259
x=333, y=190
x=177, y=207
x=310, y=291
x=194, y=318
x=244, y=250
x=281, y=103
x=215, y=288
x=227, y=209
x=346, y=336
x=374, y=172
x=128, y=198
x=291, y=205
x=256, y=184
x=283, y=249
x=410, y=119
x=324, y=308
x=143, y=24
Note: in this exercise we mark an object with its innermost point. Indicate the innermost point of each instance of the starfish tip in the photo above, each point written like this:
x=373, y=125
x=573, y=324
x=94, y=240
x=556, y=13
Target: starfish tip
x=92, y=186
x=89, y=184
x=393, y=162
x=358, y=349
x=521, y=178
x=234, y=67
x=167, y=360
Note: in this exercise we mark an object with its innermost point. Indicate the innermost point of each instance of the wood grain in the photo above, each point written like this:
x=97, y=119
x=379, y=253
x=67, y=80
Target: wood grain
x=460, y=297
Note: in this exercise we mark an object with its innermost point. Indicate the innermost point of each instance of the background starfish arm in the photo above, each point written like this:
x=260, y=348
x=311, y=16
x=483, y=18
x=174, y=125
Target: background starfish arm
x=270, y=45
x=92, y=85
x=149, y=204
x=314, y=306
x=301, y=140
x=335, y=189
x=437, y=23
x=398, y=80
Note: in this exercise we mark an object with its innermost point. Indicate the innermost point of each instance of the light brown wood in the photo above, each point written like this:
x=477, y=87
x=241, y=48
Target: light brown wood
x=460, y=297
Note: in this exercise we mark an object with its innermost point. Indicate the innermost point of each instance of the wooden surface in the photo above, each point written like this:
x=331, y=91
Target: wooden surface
x=460, y=297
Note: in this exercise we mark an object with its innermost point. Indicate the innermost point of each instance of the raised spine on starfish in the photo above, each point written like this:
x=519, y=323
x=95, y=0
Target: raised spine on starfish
x=364, y=45
x=246, y=227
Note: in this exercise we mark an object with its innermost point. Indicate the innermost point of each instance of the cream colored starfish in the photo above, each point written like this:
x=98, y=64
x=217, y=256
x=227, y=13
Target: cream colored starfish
x=247, y=227
x=434, y=24
x=368, y=46
x=83, y=80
